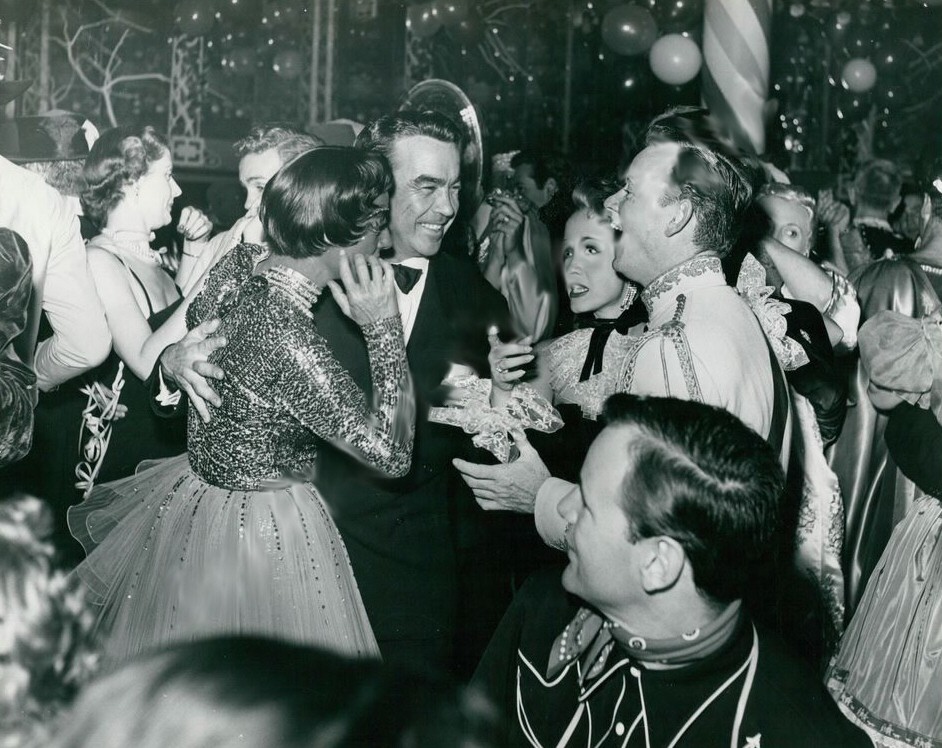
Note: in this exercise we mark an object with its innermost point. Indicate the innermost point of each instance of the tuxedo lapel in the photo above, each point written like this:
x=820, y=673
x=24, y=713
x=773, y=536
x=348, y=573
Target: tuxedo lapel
x=429, y=343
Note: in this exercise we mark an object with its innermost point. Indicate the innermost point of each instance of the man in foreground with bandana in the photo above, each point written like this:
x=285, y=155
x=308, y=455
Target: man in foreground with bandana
x=673, y=516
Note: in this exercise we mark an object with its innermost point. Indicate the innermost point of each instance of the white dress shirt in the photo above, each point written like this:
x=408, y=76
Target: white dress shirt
x=409, y=302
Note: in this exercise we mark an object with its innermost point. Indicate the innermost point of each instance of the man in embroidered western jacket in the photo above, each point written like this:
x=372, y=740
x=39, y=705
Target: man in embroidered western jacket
x=674, y=512
x=680, y=211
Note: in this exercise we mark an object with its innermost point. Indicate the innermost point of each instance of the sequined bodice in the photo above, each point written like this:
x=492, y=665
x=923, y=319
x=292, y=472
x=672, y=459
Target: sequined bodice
x=566, y=356
x=284, y=391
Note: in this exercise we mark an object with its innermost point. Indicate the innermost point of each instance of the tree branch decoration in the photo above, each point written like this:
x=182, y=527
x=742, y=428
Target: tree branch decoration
x=493, y=50
x=95, y=58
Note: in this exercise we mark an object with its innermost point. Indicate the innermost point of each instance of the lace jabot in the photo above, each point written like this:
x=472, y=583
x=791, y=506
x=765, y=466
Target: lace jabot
x=681, y=278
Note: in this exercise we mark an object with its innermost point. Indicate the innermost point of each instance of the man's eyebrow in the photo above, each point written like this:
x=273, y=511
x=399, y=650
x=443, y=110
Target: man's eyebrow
x=430, y=179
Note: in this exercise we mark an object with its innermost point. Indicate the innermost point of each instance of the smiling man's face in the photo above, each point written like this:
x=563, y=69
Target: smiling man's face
x=426, y=173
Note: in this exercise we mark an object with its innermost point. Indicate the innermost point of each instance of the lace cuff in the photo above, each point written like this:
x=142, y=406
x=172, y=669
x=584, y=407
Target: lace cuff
x=473, y=413
x=771, y=314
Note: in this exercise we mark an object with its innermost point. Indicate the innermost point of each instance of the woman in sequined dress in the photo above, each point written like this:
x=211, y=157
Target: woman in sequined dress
x=233, y=538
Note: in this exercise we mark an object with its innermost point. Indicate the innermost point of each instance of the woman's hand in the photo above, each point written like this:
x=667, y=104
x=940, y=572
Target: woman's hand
x=507, y=219
x=369, y=292
x=504, y=359
x=194, y=224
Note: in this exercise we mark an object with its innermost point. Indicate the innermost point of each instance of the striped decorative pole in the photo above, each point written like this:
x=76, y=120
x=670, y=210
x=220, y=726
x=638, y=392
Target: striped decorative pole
x=736, y=66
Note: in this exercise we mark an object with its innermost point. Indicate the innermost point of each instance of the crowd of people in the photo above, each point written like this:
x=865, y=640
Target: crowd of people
x=646, y=457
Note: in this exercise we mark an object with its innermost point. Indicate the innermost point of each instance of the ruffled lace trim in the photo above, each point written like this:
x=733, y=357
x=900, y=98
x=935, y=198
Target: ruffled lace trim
x=566, y=356
x=770, y=313
x=473, y=413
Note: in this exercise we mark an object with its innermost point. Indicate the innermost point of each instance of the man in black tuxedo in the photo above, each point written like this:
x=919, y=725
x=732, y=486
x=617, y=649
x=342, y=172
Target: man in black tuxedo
x=404, y=536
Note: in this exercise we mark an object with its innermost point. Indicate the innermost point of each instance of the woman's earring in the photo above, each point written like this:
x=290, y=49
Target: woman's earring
x=628, y=299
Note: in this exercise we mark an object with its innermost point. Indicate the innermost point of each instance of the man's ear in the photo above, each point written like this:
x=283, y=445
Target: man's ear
x=663, y=564
x=550, y=187
x=680, y=216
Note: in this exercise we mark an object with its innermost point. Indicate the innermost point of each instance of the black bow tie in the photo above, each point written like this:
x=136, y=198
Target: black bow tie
x=406, y=277
x=602, y=329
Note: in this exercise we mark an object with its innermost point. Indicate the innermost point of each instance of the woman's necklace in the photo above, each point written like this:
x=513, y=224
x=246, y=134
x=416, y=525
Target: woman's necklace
x=135, y=244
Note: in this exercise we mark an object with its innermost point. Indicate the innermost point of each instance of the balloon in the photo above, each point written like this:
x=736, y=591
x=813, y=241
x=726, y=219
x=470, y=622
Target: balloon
x=423, y=20
x=195, y=17
x=452, y=12
x=859, y=75
x=288, y=63
x=629, y=30
x=675, y=59
x=242, y=60
x=679, y=15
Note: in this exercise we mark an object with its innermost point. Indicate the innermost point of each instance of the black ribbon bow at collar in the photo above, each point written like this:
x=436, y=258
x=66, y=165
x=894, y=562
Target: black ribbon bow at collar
x=602, y=329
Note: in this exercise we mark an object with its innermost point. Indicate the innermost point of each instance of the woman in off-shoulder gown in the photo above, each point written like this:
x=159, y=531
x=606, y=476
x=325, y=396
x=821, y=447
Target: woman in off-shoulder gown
x=233, y=537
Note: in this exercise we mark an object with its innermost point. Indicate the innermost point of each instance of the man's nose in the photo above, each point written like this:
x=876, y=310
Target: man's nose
x=447, y=203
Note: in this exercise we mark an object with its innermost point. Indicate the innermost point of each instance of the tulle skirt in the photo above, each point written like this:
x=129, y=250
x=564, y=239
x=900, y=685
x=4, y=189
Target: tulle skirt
x=888, y=675
x=172, y=558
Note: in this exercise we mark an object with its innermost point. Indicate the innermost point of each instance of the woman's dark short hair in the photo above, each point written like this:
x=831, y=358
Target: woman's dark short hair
x=120, y=157
x=699, y=475
x=323, y=198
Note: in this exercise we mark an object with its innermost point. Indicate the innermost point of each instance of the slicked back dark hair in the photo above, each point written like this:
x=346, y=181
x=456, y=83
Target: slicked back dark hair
x=710, y=172
x=323, y=198
x=699, y=475
x=381, y=134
